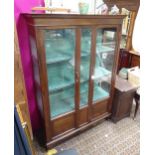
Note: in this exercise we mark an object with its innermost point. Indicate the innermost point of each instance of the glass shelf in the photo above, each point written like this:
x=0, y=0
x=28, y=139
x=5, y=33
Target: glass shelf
x=99, y=93
x=101, y=72
x=59, y=45
x=58, y=84
x=62, y=102
x=60, y=107
x=58, y=50
x=85, y=53
x=103, y=49
x=53, y=57
x=60, y=76
x=109, y=44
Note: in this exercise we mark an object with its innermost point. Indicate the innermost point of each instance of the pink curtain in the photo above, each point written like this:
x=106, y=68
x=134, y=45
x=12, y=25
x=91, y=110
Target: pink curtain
x=24, y=6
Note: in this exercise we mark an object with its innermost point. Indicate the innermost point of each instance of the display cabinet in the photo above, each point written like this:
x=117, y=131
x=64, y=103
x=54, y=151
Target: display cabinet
x=74, y=60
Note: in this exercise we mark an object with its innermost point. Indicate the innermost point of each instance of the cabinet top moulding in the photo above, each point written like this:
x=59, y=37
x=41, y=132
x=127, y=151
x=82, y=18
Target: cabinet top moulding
x=77, y=19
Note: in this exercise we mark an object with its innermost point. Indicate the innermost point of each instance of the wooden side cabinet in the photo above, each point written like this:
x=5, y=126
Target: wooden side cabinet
x=123, y=99
x=135, y=59
x=19, y=85
x=74, y=61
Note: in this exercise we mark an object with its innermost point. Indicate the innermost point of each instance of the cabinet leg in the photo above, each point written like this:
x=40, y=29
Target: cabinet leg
x=137, y=106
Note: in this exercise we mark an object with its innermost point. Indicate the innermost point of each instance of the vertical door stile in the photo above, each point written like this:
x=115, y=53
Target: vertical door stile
x=91, y=81
x=114, y=71
x=77, y=75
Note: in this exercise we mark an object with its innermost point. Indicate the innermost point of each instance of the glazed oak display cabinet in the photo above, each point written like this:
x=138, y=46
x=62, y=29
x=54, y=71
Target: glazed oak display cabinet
x=74, y=60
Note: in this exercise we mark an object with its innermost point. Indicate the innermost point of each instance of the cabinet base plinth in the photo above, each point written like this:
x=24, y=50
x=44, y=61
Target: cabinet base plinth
x=58, y=140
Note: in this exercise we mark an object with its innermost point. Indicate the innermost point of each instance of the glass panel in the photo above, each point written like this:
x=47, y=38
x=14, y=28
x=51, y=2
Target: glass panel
x=105, y=47
x=60, y=53
x=85, y=65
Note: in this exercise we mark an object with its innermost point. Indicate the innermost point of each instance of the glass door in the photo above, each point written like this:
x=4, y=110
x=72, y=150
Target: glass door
x=60, y=61
x=105, y=48
x=85, y=65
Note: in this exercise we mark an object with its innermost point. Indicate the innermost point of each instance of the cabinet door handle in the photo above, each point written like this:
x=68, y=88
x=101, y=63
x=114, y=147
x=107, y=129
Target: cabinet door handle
x=92, y=77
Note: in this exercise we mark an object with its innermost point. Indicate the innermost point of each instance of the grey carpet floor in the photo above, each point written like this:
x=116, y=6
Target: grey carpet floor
x=107, y=138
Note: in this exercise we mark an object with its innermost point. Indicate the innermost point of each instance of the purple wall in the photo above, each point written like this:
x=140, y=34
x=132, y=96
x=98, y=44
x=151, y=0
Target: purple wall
x=24, y=6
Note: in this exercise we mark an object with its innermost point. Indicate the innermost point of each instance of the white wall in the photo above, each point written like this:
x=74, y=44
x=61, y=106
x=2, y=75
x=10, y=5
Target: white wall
x=73, y=4
x=136, y=42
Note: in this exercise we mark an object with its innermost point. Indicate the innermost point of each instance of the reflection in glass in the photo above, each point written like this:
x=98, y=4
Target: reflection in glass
x=60, y=53
x=105, y=47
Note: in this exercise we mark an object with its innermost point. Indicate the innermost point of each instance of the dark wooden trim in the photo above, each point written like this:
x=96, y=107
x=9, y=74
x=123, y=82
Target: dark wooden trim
x=58, y=27
x=63, y=115
x=43, y=20
x=62, y=124
x=83, y=116
x=77, y=75
x=92, y=64
x=69, y=16
x=115, y=65
x=99, y=108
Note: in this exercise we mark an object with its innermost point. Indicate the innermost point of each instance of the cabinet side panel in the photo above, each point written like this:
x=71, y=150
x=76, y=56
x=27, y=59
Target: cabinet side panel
x=39, y=35
x=35, y=66
x=38, y=85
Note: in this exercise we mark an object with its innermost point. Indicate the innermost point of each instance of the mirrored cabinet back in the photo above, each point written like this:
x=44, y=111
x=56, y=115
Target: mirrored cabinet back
x=75, y=61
